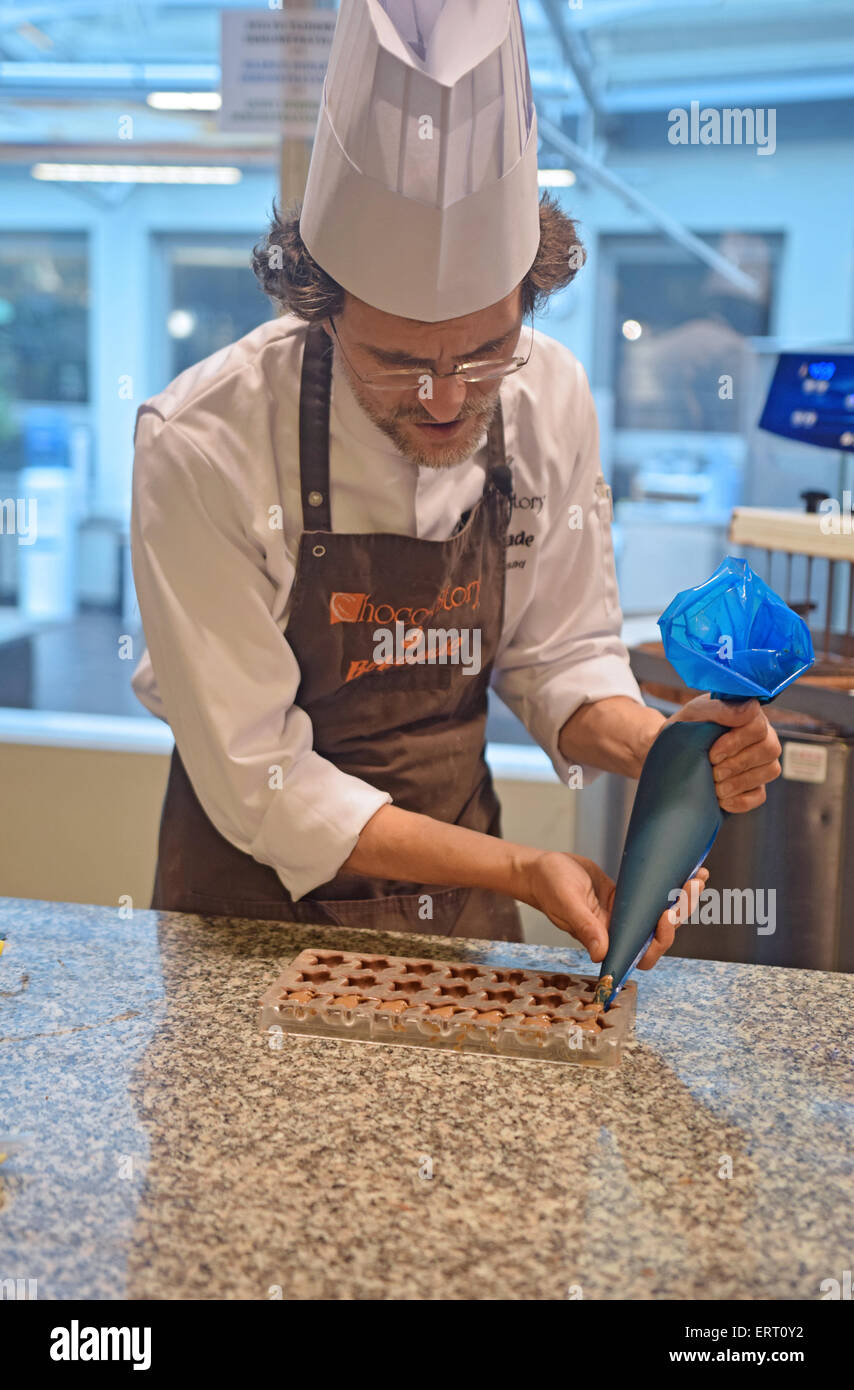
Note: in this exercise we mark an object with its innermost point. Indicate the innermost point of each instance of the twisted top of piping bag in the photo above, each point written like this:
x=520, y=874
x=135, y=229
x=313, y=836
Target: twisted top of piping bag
x=734, y=637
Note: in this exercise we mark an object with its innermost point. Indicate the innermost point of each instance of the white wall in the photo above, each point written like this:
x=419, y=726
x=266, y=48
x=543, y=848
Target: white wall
x=79, y=824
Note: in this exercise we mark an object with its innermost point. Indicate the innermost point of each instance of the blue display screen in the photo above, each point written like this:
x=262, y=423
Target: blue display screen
x=812, y=399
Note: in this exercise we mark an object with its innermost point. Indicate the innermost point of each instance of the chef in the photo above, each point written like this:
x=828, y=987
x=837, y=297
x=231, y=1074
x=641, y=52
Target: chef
x=352, y=521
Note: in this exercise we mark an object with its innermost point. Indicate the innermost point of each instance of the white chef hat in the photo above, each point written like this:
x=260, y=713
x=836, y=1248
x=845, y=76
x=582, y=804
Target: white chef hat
x=422, y=194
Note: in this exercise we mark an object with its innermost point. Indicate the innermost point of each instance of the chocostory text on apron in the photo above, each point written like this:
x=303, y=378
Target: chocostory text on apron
x=416, y=731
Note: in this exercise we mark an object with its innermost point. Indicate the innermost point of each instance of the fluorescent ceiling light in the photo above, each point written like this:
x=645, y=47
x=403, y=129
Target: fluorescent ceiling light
x=184, y=101
x=555, y=178
x=135, y=173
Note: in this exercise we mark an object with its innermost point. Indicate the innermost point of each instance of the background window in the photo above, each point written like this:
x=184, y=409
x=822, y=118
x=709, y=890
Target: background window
x=676, y=327
x=209, y=298
x=44, y=332
x=44, y=296
x=678, y=361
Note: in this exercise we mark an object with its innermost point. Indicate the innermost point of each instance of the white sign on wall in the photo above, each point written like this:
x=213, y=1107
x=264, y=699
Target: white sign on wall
x=273, y=64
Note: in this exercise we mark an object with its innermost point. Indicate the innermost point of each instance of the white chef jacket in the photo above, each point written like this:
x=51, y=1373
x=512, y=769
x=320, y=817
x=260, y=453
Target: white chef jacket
x=215, y=529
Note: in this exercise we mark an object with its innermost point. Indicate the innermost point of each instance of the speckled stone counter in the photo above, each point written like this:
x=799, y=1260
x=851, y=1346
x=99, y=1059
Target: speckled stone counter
x=168, y=1152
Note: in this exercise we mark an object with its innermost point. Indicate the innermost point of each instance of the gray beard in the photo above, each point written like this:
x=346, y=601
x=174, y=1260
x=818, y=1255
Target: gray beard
x=447, y=457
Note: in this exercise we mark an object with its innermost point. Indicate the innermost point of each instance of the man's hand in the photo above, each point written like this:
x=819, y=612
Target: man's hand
x=578, y=896
x=745, y=758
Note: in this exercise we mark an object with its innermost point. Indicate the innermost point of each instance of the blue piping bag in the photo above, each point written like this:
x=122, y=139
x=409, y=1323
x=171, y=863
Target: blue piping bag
x=735, y=638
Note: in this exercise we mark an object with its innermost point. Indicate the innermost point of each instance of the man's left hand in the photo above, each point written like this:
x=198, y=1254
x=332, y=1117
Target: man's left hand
x=745, y=758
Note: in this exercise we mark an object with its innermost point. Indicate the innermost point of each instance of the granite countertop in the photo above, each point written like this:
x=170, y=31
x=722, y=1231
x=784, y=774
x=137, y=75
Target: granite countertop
x=168, y=1152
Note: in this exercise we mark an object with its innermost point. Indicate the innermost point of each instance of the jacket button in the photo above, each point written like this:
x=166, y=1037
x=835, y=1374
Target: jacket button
x=315, y=499
x=319, y=550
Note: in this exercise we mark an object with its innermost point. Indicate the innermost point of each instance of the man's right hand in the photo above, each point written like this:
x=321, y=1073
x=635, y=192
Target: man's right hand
x=578, y=897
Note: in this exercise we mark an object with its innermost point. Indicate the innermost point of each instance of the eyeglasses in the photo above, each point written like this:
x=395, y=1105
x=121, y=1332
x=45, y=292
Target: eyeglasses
x=412, y=379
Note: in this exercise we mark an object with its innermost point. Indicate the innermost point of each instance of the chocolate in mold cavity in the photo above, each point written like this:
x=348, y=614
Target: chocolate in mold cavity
x=450, y=991
x=547, y=999
x=316, y=975
x=407, y=987
x=464, y=972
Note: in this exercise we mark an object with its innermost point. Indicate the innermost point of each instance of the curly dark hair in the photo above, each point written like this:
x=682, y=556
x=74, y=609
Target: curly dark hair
x=291, y=277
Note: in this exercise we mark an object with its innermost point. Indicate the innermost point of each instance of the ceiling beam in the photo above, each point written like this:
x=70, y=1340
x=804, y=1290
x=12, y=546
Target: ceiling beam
x=574, y=50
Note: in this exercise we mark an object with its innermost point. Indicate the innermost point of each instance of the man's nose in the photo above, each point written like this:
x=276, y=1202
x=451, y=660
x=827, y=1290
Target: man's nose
x=448, y=395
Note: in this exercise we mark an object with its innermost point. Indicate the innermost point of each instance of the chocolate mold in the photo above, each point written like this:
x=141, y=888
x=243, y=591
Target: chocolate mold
x=464, y=1006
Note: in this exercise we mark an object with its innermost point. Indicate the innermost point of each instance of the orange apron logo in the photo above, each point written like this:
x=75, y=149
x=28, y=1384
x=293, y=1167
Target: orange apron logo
x=358, y=608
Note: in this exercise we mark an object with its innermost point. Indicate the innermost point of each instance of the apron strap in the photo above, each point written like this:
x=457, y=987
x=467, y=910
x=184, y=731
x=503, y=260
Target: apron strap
x=497, y=465
x=314, y=398
x=314, y=429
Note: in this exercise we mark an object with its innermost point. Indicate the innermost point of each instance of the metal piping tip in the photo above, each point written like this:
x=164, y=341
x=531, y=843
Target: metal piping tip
x=604, y=990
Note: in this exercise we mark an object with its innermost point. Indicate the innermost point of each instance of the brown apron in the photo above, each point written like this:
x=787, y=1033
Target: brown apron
x=416, y=731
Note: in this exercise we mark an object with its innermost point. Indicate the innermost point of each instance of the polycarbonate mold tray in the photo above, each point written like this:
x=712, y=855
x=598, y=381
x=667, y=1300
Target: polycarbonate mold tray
x=462, y=1005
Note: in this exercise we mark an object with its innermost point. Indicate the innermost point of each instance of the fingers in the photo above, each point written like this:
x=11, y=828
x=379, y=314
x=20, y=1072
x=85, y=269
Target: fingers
x=588, y=930
x=747, y=801
x=604, y=887
x=755, y=733
x=743, y=761
x=755, y=778
x=593, y=928
x=600, y=898
x=576, y=895
x=736, y=715
x=750, y=769
x=672, y=918
x=594, y=941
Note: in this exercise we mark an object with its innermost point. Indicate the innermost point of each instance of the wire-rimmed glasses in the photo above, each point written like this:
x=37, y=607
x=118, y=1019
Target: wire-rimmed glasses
x=483, y=369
